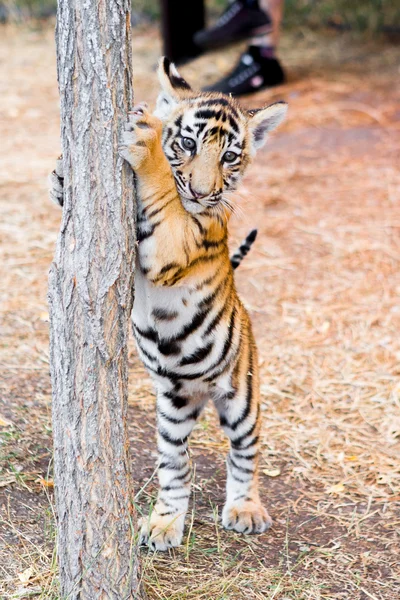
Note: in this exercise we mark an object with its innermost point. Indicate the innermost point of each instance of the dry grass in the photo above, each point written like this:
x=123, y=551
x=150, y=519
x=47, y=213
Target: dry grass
x=323, y=289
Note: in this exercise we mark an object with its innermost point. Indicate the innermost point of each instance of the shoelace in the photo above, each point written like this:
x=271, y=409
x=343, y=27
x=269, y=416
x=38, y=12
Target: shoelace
x=231, y=12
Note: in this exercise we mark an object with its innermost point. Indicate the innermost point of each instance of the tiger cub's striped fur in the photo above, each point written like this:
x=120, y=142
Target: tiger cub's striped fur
x=192, y=331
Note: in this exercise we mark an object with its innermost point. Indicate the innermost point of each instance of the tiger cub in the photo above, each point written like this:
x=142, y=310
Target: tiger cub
x=191, y=329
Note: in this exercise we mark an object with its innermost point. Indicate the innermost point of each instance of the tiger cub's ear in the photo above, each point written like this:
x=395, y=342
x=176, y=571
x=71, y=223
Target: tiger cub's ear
x=264, y=120
x=173, y=88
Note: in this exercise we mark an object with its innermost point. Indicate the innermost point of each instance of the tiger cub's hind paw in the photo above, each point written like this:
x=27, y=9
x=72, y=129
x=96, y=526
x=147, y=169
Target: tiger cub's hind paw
x=139, y=136
x=246, y=517
x=161, y=532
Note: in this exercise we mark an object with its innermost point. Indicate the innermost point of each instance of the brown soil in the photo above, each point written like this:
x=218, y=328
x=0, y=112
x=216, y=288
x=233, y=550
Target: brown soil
x=322, y=286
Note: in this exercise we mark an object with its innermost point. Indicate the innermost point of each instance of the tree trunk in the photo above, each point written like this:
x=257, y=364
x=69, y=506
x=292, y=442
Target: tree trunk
x=90, y=298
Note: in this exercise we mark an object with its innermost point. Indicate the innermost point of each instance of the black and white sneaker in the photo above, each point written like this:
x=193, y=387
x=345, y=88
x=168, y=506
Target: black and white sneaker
x=252, y=73
x=237, y=23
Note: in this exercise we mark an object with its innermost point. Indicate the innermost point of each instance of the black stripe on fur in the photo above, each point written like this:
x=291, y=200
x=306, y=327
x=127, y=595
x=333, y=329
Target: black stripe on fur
x=243, y=249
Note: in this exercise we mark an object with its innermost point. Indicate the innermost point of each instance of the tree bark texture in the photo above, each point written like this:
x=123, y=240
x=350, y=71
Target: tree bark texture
x=90, y=301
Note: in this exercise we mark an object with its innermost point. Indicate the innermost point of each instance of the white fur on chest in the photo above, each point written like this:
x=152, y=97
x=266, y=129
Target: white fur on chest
x=149, y=297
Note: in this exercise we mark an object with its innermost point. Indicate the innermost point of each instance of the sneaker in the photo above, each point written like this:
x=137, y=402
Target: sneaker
x=253, y=72
x=238, y=22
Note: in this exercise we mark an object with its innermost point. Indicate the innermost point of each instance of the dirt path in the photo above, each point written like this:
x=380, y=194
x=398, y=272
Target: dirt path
x=323, y=288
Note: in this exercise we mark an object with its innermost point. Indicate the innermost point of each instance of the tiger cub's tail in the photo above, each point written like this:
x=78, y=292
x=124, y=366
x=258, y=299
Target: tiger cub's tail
x=243, y=249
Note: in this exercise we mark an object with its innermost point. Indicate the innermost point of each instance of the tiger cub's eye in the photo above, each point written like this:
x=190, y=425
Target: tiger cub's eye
x=188, y=144
x=229, y=157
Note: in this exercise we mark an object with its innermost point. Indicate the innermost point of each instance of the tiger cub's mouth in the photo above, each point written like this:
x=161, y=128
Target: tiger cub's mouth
x=195, y=202
x=198, y=205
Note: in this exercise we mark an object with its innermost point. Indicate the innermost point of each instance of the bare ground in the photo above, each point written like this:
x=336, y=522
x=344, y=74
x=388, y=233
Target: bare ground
x=322, y=286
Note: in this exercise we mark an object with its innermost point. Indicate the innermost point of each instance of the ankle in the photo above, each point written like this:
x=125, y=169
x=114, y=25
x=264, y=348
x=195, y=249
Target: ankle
x=262, y=52
x=267, y=52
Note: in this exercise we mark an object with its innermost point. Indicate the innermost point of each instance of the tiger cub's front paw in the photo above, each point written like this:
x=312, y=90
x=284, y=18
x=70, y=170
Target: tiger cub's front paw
x=161, y=532
x=246, y=517
x=141, y=133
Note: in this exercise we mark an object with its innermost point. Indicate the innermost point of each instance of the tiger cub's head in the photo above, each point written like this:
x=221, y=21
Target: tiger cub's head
x=208, y=138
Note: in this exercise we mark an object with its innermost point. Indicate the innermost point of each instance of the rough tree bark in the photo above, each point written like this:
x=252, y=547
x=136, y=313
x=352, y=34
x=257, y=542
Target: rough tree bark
x=90, y=300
